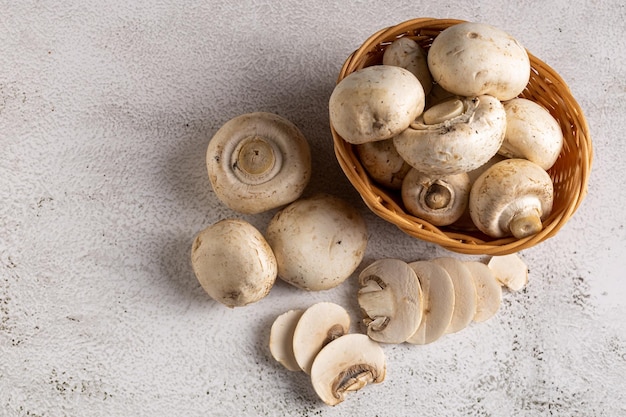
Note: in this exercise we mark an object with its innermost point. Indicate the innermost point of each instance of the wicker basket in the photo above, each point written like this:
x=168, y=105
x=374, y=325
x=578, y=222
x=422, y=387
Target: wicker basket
x=570, y=173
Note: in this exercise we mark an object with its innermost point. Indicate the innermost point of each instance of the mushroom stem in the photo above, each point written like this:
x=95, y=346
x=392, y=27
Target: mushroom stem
x=437, y=196
x=377, y=302
x=525, y=223
x=256, y=160
x=441, y=112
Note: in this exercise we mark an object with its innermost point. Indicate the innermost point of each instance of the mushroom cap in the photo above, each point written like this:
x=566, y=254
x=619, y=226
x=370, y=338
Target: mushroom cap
x=508, y=192
x=383, y=163
x=488, y=291
x=457, y=145
x=375, y=103
x=437, y=302
x=258, y=161
x=531, y=133
x=471, y=59
x=406, y=53
x=318, y=241
x=391, y=300
x=347, y=364
x=233, y=262
x=281, y=339
x=440, y=200
x=320, y=324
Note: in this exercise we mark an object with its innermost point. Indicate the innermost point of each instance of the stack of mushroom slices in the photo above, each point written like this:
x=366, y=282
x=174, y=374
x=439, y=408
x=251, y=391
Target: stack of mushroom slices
x=421, y=301
x=317, y=341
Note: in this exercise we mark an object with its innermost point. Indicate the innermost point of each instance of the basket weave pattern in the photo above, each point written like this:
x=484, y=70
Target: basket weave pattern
x=569, y=174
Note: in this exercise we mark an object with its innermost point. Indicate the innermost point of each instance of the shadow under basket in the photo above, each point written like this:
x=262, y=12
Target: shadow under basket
x=569, y=174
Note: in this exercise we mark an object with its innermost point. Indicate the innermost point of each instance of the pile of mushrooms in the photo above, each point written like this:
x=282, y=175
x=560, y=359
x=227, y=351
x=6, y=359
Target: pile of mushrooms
x=257, y=162
x=430, y=125
x=317, y=341
x=419, y=302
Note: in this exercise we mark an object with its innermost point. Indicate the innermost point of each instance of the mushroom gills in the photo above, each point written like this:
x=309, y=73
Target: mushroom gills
x=347, y=364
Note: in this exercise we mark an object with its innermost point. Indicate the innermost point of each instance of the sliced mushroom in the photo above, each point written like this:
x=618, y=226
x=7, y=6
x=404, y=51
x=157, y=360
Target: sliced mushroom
x=319, y=325
x=347, y=364
x=318, y=241
x=440, y=200
x=512, y=197
x=471, y=59
x=257, y=162
x=233, y=262
x=281, y=339
x=488, y=290
x=375, y=103
x=510, y=271
x=383, y=163
x=531, y=133
x=457, y=142
x=464, y=292
x=391, y=300
x=437, y=300
x=406, y=53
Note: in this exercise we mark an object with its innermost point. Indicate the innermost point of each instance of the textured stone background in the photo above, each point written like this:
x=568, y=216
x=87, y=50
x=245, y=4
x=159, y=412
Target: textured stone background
x=106, y=109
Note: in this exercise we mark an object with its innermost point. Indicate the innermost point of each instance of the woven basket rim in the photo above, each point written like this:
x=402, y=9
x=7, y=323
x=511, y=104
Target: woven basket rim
x=385, y=206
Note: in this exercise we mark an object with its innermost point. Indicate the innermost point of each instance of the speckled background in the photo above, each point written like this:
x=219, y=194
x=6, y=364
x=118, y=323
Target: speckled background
x=106, y=109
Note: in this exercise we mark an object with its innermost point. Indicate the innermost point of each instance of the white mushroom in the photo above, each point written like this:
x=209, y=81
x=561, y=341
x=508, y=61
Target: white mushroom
x=320, y=324
x=406, y=53
x=257, y=162
x=510, y=271
x=318, y=241
x=383, y=163
x=472, y=59
x=465, y=297
x=464, y=135
x=512, y=197
x=488, y=290
x=281, y=339
x=233, y=262
x=440, y=200
x=347, y=364
x=375, y=103
x=531, y=133
x=437, y=300
x=390, y=299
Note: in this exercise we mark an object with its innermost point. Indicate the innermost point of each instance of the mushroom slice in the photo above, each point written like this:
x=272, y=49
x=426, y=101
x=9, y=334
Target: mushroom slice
x=257, y=162
x=440, y=200
x=319, y=324
x=437, y=302
x=510, y=270
x=281, y=339
x=347, y=364
x=375, y=103
x=488, y=290
x=464, y=293
x=390, y=298
x=465, y=135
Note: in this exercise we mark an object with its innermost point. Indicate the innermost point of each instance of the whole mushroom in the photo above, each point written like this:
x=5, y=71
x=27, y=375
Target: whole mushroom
x=472, y=59
x=512, y=197
x=454, y=136
x=440, y=200
x=318, y=241
x=375, y=103
x=383, y=163
x=233, y=262
x=406, y=53
x=257, y=162
x=531, y=133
